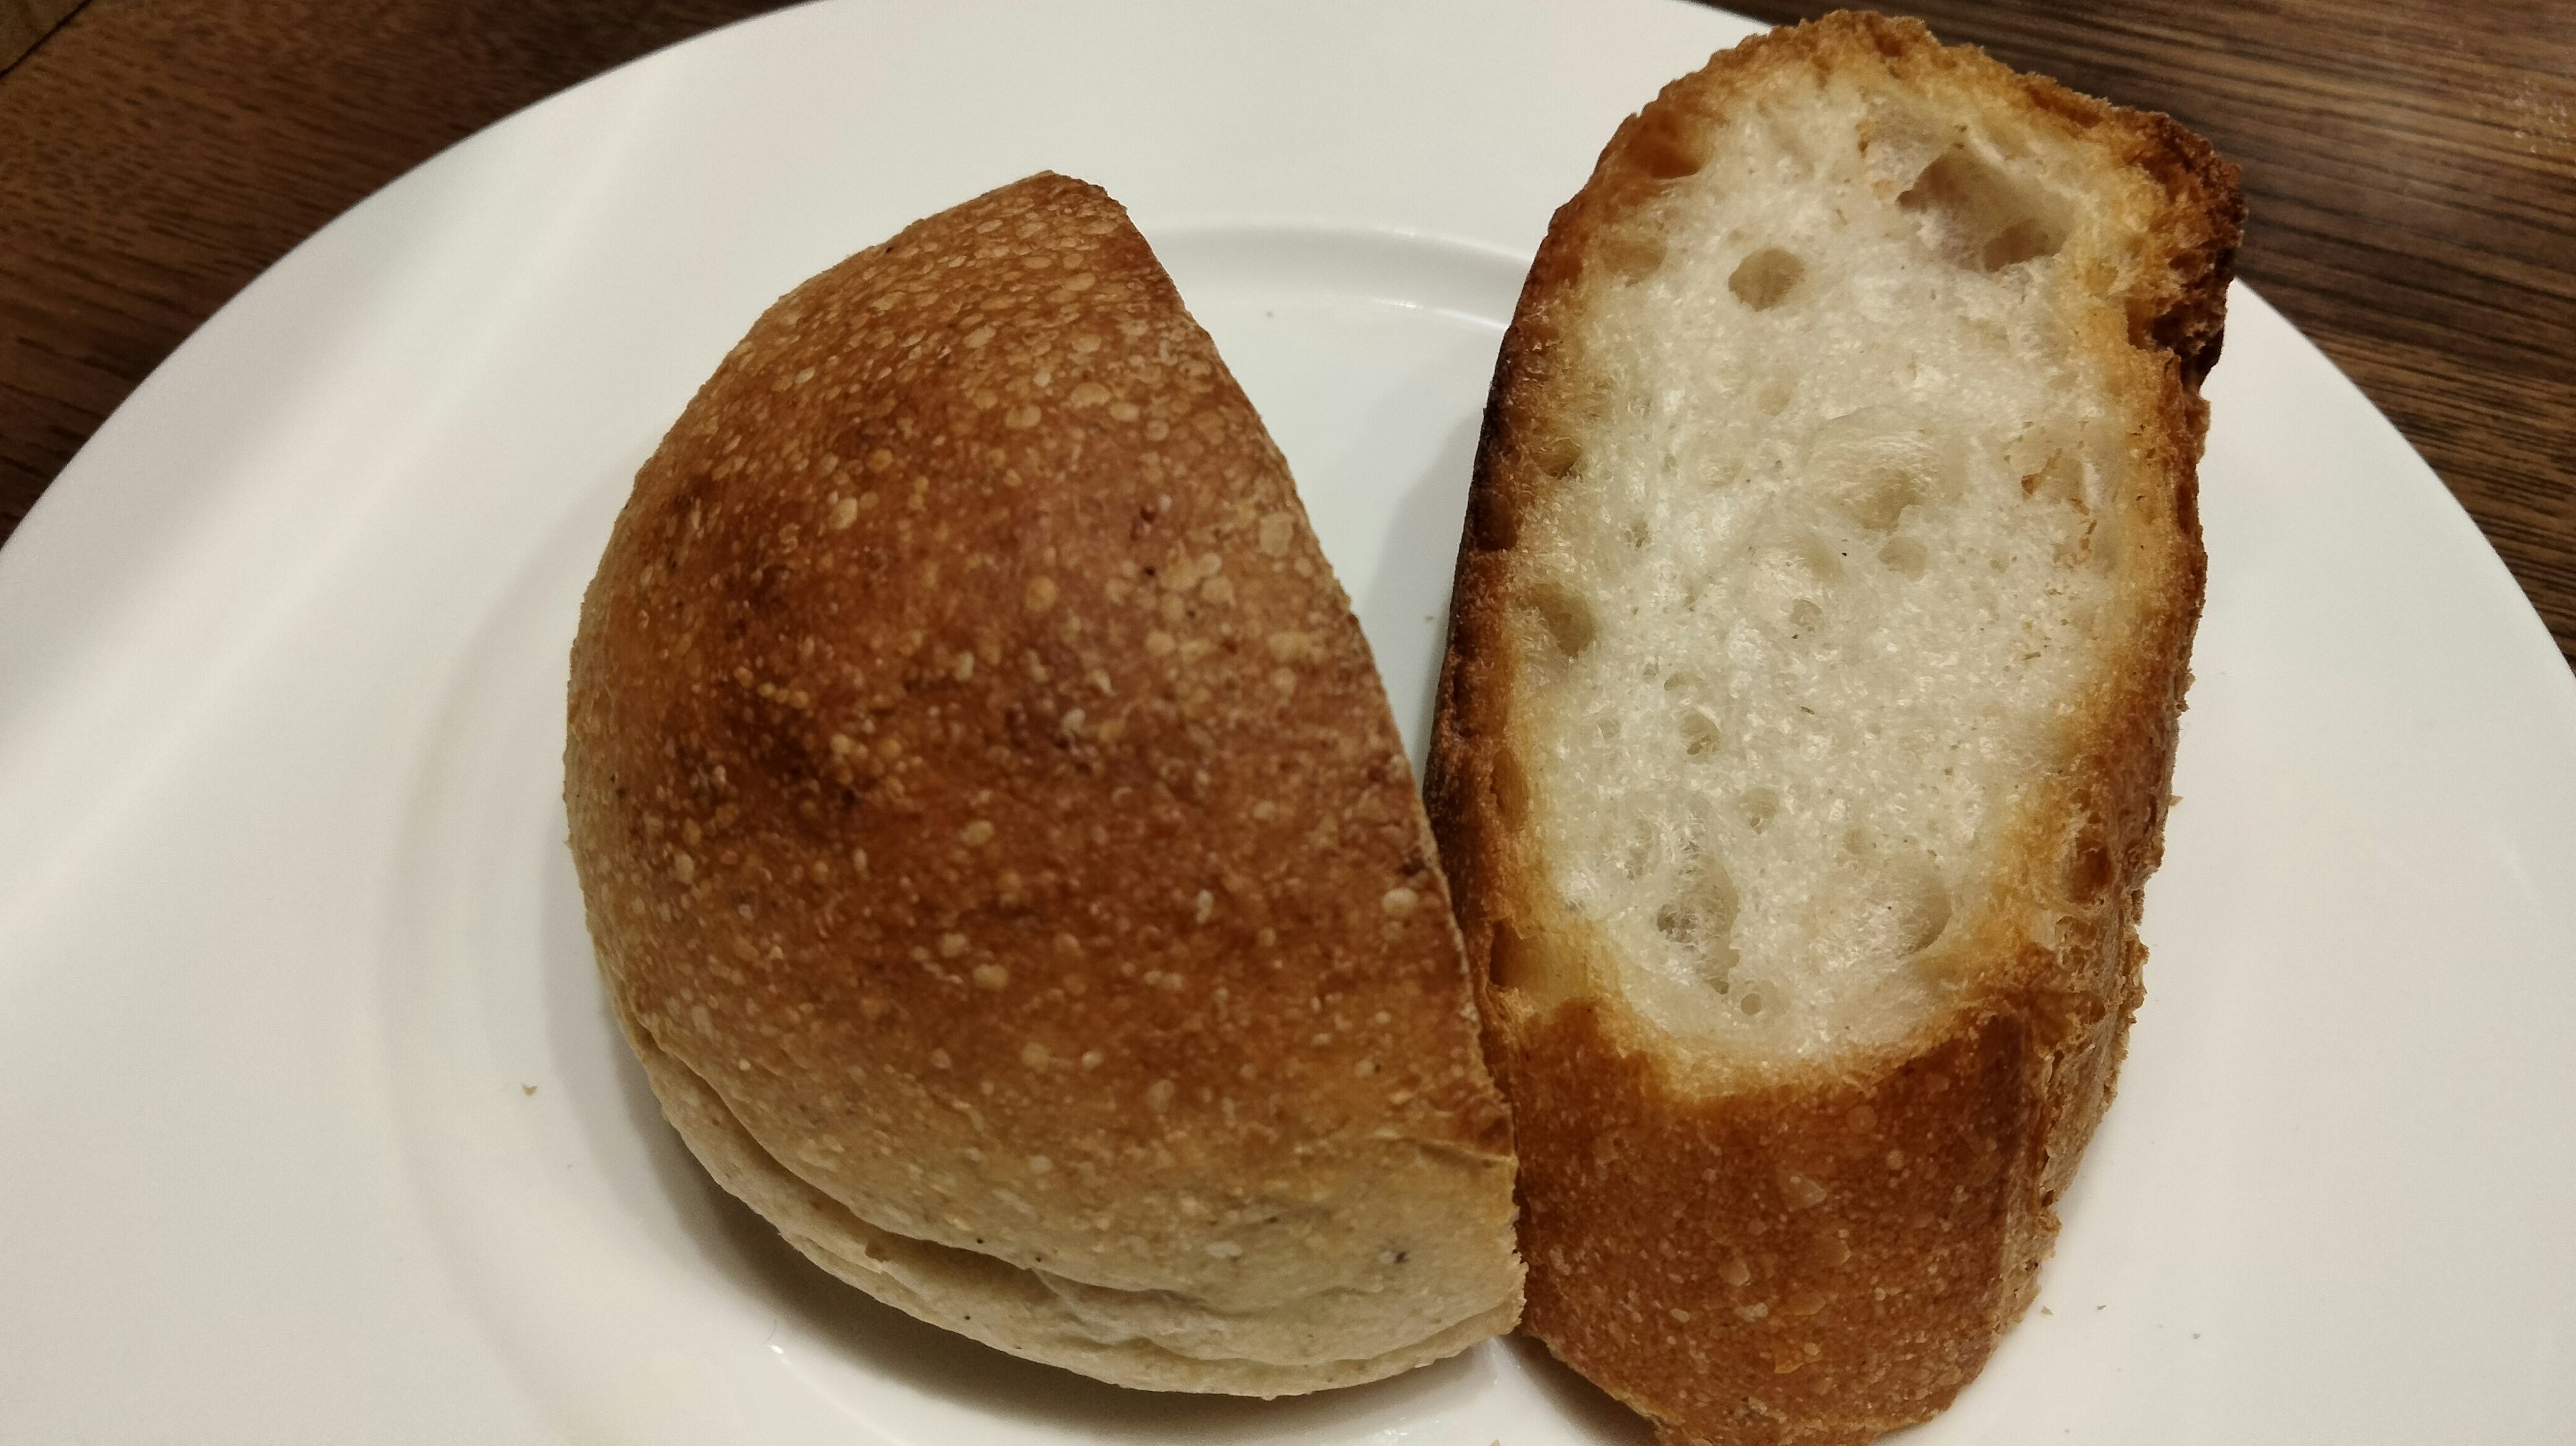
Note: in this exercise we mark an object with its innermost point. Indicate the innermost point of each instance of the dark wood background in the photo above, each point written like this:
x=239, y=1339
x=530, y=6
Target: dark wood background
x=2411, y=168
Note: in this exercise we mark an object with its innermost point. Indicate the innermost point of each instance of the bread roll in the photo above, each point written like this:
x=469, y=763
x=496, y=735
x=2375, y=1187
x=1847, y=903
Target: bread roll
x=998, y=847
x=1822, y=622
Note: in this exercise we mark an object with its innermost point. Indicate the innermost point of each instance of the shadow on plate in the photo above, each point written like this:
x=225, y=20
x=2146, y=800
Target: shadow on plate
x=1413, y=577
x=1582, y=1403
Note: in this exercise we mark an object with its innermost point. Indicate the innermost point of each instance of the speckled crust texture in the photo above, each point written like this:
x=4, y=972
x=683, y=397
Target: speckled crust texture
x=997, y=843
x=1830, y=1254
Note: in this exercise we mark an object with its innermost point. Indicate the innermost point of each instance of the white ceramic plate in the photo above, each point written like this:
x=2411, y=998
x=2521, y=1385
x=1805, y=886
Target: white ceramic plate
x=312, y=1125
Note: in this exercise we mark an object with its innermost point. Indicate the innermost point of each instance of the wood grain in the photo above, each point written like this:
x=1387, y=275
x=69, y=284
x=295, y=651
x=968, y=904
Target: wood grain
x=2411, y=167
x=24, y=22
x=156, y=155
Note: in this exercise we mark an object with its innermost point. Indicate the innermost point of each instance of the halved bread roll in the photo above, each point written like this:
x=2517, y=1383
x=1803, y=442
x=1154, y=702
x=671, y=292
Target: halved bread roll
x=1821, y=628
x=997, y=844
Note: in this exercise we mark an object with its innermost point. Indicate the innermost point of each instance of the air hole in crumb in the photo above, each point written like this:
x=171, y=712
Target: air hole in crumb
x=1751, y=1003
x=1676, y=682
x=2060, y=479
x=1558, y=456
x=1817, y=556
x=1904, y=555
x=1917, y=902
x=1531, y=966
x=1639, y=533
x=1873, y=463
x=1804, y=615
x=2023, y=240
x=1661, y=144
x=1921, y=918
x=1567, y=618
x=1877, y=497
x=1982, y=218
x=1764, y=279
x=1760, y=806
x=1699, y=919
x=1699, y=734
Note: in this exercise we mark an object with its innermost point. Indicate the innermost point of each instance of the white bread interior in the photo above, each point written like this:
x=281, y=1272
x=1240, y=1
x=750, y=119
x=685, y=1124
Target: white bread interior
x=1818, y=594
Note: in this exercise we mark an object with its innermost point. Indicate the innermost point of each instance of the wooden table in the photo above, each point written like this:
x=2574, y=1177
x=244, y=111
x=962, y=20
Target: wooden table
x=2411, y=168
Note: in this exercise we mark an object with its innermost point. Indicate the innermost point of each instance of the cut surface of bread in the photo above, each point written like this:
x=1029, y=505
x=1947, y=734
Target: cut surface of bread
x=1821, y=628
x=997, y=845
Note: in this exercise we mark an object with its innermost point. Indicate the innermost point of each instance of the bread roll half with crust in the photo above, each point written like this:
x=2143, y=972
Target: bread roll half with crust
x=1821, y=628
x=998, y=847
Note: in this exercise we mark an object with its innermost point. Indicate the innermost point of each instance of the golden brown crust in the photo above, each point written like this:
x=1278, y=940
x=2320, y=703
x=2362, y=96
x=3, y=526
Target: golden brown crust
x=1824, y=1258
x=979, y=782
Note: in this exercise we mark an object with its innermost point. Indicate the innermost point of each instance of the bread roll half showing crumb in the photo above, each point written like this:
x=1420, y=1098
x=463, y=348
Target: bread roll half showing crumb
x=1821, y=630
x=996, y=841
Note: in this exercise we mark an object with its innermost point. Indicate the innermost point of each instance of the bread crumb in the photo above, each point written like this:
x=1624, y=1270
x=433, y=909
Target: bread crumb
x=1040, y=595
x=991, y=976
x=1399, y=902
